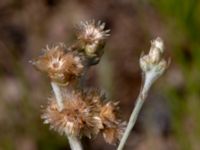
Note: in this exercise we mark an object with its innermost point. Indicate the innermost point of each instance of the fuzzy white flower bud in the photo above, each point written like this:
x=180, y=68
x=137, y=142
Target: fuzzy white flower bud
x=151, y=60
x=152, y=64
x=156, y=50
x=158, y=43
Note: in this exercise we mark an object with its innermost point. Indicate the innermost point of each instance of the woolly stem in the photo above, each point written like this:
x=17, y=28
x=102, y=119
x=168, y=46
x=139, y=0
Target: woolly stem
x=149, y=79
x=153, y=67
x=58, y=95
x=74, y=142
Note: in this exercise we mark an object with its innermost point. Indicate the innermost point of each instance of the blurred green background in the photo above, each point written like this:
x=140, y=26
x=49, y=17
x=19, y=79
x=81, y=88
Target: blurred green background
x=170, y=119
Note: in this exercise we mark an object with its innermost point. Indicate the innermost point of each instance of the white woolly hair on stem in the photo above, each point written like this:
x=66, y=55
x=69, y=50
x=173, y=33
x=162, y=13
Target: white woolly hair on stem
x=74, y=142
x=58, y=95
x=139, y=102
x=153, y=67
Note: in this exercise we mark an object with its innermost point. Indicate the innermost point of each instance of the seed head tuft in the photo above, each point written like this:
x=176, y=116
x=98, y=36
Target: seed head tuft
x=61, y=67
x=91, y=36
x=85, y=113
x=113, y=125
x=92, y=32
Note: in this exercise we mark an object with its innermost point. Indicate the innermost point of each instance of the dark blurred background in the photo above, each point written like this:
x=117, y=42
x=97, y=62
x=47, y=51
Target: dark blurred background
x=170, y=119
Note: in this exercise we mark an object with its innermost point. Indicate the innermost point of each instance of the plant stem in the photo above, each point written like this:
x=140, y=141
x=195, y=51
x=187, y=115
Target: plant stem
x=74, y=142
x=134, y=115
x=58, y=95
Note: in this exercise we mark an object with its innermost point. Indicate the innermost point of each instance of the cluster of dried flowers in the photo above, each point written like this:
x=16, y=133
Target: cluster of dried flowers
x=85, y=112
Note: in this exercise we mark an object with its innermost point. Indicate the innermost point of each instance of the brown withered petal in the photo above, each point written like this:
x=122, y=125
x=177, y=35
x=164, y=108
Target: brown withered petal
x=91, y=37
x=60, y=66
x=109, y=113
x=91, y=31
x=95, y=97
x=113, y=134
x=78, y=118
x=113, y=126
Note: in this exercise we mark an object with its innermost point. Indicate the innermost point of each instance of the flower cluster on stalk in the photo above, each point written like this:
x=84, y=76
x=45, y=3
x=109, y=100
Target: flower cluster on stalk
x=86, y=112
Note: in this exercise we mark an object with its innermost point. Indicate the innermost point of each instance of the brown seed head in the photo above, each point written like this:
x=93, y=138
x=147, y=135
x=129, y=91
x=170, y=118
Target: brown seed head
x=113, y=126
x=113, y=134
x=85, y=113
x=92, y=32
x=91, y=36
x=78, y=118
x=108, y=113
x=60, y=66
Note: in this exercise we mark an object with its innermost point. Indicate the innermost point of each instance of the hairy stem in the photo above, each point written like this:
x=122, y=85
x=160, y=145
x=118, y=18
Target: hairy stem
x=153, y=67
x=134, y=115
x=74, y=142
x=58, y=95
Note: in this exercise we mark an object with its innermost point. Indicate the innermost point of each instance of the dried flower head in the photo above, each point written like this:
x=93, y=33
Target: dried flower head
x=112, y=135
x=91, y=36
x=113, y=126
x=108, y=112
x=92, y=32
x=79, y=116
x=85, y=113
x=61, y=67
x=79, y=112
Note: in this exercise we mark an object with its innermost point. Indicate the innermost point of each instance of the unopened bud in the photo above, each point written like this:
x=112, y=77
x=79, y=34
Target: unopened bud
x=156, y=50
x=153, y=61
